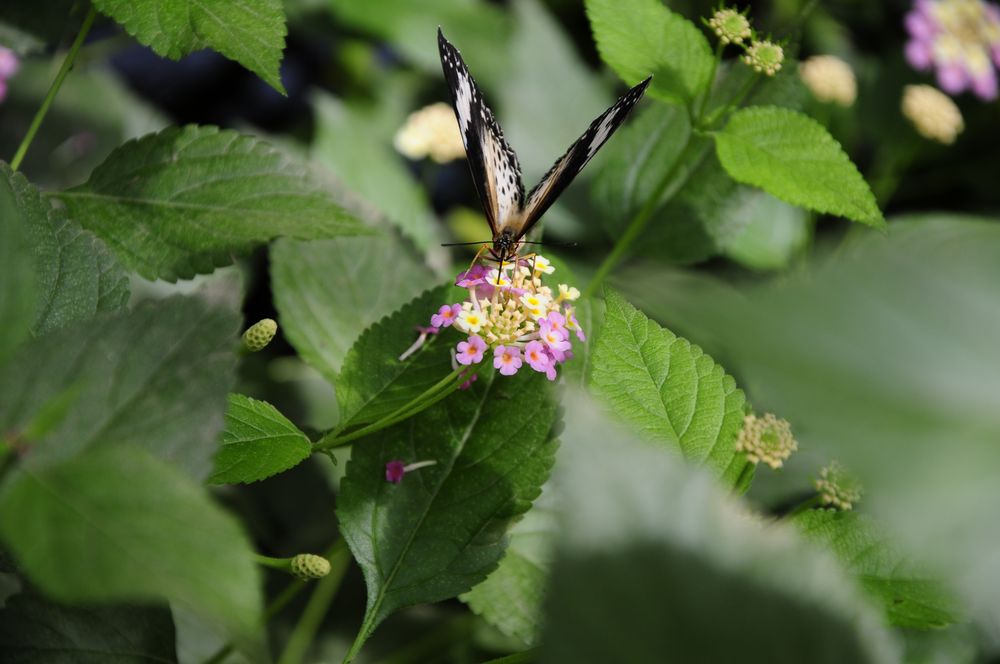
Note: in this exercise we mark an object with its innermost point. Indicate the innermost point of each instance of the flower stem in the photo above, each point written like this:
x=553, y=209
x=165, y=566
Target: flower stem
x=319, y=602
x=67, y=64
x=427, y=398
x=806, y=504
x=274, y=563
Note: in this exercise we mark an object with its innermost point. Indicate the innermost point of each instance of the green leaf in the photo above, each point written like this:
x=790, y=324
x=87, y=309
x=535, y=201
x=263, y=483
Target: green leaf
x=20, y=292
x=257, y=442
x=511, y=597
x=77, y=275
x=642, y=37
x=909, y=598
x=442, y=529
x=373, y=382
x=251, y=32
x=791, y=156
x=589, y=313
x=328, y=291
x=655, y=561
x=185, y=200
x=668, y=388
x=34, y=631
x=116, y=524
x=156, y=377
x=766, y=233
x=359, y=152
x=27, y=26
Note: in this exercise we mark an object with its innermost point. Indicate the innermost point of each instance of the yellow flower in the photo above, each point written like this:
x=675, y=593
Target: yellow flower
x=830, y=79
x=470, y=321
x=766, y=439
x=837, y=487
x=432, y=131
x=933, y=114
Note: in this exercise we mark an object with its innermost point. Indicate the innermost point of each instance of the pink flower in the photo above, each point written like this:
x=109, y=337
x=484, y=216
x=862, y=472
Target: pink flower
x=446, y=315
x=579, y=329
x=555, y=341
x=9, y=64
x=507, y=359
x=537, y=357
x=472, y=378
x=473, y=277
x=557, y=322
x=471, y=351
x=394, y=471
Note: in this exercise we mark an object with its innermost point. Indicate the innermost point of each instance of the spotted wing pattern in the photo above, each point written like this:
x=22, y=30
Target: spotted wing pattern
x=570, y=164
x=495, y=170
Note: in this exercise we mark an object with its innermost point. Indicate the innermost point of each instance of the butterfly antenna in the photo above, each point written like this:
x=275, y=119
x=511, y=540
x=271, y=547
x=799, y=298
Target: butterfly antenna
x=463, y=244
x=551, y=244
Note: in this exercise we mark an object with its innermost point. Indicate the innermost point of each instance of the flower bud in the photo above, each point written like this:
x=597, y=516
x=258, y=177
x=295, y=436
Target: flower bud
x=259, y=335
x=309, y=566
x=829, y=79
x=837, y=487
x=933, y=114
x=766, y=439
x=764, y=57
x=730, y=26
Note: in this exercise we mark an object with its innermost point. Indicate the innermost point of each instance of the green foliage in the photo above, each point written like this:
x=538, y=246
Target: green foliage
x=668, y=388
x=793, y=157
x=77, y=276
x=442, y=529
x=373, y=382
x=34, y=631
x=511, y=597
x=26, y=26
x=328, y=291
x=156, y=377
x=642, y=37
x=654, y=558
x=19, y=289
x=909, y=599
x=251, y=32
x=766, y=232
x=117, y=524
x=257, y=442
x=183, y=201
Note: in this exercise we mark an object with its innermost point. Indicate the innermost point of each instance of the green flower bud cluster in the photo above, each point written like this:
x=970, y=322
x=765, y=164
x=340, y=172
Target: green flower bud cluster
x=259, y=335
x=733, y=27
x=309, y=566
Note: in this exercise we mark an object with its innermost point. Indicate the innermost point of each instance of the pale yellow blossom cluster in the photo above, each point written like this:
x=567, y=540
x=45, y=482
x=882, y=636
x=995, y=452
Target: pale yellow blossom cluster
x=431, y=132
x=764, y=57
x=933, y=114
x=837, y=487
x=766, y=439
x=730, y=26
x=829, y=79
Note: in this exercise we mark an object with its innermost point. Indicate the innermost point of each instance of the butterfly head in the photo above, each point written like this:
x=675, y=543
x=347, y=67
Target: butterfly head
x=504, y=245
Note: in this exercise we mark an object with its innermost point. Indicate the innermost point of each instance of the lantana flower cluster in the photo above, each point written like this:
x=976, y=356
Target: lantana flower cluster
x=960, y=40
x=512, y=317
x=766, y=439
x=733, y=27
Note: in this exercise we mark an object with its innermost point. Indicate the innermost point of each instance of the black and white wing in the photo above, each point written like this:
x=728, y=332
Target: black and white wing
x=570, y=164
x=495, y=170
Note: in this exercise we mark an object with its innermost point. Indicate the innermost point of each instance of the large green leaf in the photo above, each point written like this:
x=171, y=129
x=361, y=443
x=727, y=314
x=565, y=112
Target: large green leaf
x=765, y=232
x=78, y=277
x=791, y=156
x=183, y=201
x=156, y=377
x=117, y=524
x=328, y=291
x=19, y=289
x=655, y=562
x=251, y=32
x=373, y=382
x=34, y=631
x=257, y=442
x=668, y=388
x=910, y=598
x=442, y=529
x=511, y=597
x=358, y=150
x=638, y=38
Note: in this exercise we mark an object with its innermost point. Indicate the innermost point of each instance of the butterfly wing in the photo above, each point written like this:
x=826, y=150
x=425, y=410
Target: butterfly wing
x=570, y=164
x=495, y=170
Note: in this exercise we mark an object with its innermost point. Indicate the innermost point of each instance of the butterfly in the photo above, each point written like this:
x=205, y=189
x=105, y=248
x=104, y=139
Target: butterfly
x=495, y=169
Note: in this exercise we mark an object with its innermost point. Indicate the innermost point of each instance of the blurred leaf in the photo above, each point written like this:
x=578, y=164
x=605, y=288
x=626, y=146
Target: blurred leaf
x=362, y=157
x=251, y=32
x=909, y=599
x=548, y=96
x=784, y=89
x=791, y=156
x=589, y=313
x=20, y=294
x=511, y=597
x=768, y=232
x=34, y=631
x=77, y=275
x=257, y=442
x=373, y=382
x=328, y=291
x=116, y=524
x=638, y=38
x=26, y=25
x=668, y=389
x=654, y=560
x=183, y=201
x=156, y=377
x=442, y=529
x=410, y=26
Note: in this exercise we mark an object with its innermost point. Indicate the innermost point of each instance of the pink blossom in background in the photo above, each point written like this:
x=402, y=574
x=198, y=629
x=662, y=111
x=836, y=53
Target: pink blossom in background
x=959, y=40
x=9, y=64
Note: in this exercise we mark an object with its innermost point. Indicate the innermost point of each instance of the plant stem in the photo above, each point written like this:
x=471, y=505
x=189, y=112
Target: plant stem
x=806, y=504
x=319, y=602
x=274, y=563
x=745, y=472
x=703, y=101
x=67, y=64
x=524, y=657
x=427, y=398
x=433, y=642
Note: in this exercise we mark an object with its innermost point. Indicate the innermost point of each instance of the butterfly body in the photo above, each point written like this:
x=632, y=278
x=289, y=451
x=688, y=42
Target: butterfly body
x=495, y=169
